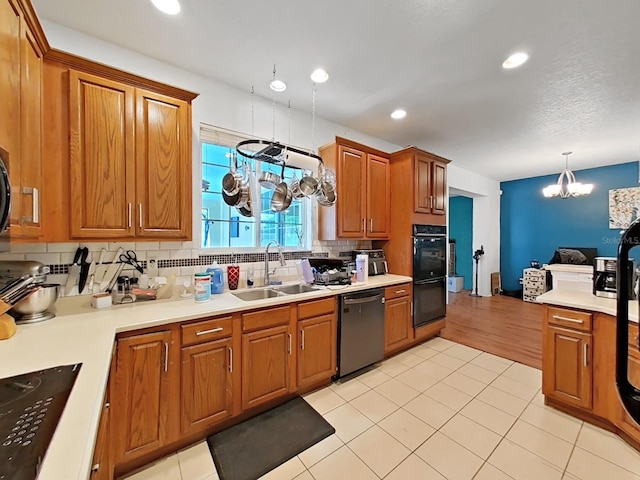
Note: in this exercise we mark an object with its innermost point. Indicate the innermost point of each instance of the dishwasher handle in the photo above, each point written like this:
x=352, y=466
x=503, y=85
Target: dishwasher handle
x=357, y=301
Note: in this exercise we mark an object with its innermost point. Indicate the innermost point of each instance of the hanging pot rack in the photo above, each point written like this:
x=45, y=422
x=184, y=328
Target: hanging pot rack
x=272, y=152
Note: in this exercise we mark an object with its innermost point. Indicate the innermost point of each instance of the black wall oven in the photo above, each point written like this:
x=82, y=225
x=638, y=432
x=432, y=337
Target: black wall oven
x=429, y=273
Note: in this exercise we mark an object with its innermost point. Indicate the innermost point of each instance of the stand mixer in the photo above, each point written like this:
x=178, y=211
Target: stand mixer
x=23, y=287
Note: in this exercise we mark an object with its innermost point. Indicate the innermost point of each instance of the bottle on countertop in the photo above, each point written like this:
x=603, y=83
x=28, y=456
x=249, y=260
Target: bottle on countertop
x=250, y=276
x=217, y=278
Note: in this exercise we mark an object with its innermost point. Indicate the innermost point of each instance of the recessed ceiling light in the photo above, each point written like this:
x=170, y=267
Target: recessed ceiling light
x=170, y=7
x=278, y=86
x=398, y=114
x=319, y=76
x=515, y=60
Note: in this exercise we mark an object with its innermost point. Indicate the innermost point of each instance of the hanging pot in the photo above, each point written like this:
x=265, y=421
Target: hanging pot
x=281, y=197
x=231, y=200
x=269, y=180
x=308, y=185
x=295, y=188
x=232, y=181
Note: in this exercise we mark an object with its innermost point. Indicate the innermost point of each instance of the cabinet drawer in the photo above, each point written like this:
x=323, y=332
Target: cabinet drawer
x=570, y=319
x=270, y=317
x=316, y=308
x=396, y=291
x=206, y=330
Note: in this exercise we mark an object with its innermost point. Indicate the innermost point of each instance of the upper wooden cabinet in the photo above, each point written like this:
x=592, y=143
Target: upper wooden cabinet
x=130, y=161
x=420, y=177
x=430, y=185
x=363, y=187
x=21, y=55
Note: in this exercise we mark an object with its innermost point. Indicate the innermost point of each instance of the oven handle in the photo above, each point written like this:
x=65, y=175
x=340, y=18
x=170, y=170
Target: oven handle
x=430, y=280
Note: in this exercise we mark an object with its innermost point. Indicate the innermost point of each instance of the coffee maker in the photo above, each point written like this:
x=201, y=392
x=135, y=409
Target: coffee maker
x=605, y=277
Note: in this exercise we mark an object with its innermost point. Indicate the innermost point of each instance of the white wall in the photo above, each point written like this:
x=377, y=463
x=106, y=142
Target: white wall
x=486, y=220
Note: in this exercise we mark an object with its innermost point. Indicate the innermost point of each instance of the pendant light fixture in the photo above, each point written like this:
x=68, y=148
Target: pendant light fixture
x=567, y=186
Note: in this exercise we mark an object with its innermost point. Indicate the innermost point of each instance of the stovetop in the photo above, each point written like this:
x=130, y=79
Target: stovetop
x=30, y=407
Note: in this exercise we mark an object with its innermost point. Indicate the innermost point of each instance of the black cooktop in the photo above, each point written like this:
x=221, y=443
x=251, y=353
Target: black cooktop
x=30, y=407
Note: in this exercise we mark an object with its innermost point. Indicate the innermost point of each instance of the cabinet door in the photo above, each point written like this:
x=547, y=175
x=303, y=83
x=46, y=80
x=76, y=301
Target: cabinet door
x=317, y=349
x=10, y=94
x=163, y=160
x=439, y=188
x=422, y=184
x=378, y=196
x=398, y=325
x=207, y=380
x=101, y=144
x=351, y=192
x=31, y=150
x=141, y=400
x=101, y=468
x=567, y=369
x=265, y=365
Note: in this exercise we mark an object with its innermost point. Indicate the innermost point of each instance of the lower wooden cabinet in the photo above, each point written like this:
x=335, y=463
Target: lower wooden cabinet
x=101, y=468
x=266, y=358
x=398, y=317
x=567, y=366
x=207, y=380
x=142, y=400
x=317, y=349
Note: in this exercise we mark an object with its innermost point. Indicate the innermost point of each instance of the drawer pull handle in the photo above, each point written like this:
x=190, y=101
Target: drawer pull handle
x=567, y=319
x=585, y=355
x=302, y=339
x=213, y=330
x=166, y=357
x=230, y=360
x=289, y=352
x=400, y=291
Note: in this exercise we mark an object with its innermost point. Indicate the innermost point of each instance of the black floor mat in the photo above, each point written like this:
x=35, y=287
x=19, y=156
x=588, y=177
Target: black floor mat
x=256, y=446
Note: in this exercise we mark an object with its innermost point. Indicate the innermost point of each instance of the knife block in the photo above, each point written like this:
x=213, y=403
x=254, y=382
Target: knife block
x=7, y=326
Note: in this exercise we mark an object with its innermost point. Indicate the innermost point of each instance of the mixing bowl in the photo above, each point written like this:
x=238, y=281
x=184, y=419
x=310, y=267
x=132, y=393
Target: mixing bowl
x=38, y=302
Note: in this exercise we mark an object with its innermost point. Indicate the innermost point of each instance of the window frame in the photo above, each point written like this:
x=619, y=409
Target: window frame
x=207, y=134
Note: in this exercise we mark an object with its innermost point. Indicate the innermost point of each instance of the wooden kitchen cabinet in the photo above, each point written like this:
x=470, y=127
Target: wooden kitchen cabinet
x=163, y=166
x=130, y=159
x=567, y=366
x=430, y=184
x=398, y=318
x=266, y=363
x=207, y=384
x=101, y=465
x=144, y=395
x=363, y=188
x=21, y=53
x=317, y=341
x=102, y=156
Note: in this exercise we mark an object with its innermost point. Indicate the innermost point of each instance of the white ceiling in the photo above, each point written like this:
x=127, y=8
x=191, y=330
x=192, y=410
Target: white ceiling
x=438, y=59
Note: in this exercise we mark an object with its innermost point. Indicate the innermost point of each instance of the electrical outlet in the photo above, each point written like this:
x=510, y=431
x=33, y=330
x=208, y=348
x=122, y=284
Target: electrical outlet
x=152, y=267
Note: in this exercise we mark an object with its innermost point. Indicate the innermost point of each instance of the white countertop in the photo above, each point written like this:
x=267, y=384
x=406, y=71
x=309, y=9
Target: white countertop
x=81, y=334
x=587, y=301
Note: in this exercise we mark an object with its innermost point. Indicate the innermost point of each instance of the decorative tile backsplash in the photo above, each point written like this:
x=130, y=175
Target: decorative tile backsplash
x=181, y=259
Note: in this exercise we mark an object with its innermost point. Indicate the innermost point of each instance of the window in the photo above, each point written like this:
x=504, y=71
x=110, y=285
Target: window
x=223, y=226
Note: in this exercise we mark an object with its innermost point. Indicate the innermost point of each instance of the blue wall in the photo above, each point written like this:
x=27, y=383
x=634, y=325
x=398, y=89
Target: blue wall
x=461, y=230
x=533, y=227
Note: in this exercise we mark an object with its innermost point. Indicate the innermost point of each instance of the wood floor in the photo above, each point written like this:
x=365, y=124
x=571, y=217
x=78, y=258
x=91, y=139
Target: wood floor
x=501, y=325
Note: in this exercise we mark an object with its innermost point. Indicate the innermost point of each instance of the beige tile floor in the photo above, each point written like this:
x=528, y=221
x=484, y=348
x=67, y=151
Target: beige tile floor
x=439, y=411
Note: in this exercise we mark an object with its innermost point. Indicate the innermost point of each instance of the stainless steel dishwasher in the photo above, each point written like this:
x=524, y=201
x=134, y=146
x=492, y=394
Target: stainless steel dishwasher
x=360, y=330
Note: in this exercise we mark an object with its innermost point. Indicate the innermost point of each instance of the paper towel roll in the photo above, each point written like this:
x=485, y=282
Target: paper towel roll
x=303, y=161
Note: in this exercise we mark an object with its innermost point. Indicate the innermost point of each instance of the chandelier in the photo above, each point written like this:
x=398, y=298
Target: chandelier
x=567, y=186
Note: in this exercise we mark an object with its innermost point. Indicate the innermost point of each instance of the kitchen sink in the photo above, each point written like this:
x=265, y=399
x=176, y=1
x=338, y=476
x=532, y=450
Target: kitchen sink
x=271, y=292
x=257, y=294
x=299, y=288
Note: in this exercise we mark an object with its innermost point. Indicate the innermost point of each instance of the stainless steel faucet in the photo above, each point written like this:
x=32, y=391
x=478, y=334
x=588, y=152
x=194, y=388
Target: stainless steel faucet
x=267, y=274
